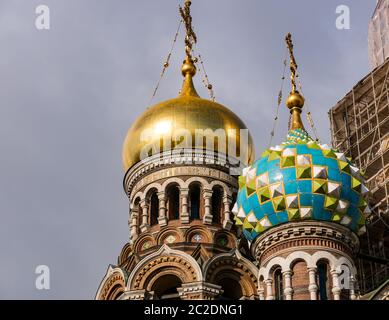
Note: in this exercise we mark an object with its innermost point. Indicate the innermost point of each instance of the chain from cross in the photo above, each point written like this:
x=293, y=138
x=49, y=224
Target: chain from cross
x=191, y=37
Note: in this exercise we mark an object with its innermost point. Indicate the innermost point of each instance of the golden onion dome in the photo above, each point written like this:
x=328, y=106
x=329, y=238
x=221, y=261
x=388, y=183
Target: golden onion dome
x=176, y=124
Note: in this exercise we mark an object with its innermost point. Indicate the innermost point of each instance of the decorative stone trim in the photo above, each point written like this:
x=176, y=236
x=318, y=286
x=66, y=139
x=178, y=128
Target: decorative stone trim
x=199, y=291
x=113, y=277
x=306, y=242
x=297, y=231
x=134, y=295
x=177, y=260
x=194, y=158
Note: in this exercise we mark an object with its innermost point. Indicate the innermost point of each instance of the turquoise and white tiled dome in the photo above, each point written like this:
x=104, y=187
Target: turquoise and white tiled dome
x=300, y=180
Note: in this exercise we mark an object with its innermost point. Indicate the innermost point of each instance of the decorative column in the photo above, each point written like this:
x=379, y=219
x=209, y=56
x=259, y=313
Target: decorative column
x=312, y=283
x=184, y=192
x=207, y=219
x=335, y=285
x=133, y=222
x=353, y=295
x=269, y=289
x=162, y=219
x=145, y=214
x=261, y=291
x=227, y=223
x=288, y=291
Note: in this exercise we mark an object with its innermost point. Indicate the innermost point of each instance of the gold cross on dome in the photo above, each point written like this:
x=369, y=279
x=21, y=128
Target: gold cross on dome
x=293, y=64
x=190, y=37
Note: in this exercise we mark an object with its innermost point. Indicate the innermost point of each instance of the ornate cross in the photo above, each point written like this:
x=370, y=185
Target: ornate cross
x=293, y=64
x=191, y=37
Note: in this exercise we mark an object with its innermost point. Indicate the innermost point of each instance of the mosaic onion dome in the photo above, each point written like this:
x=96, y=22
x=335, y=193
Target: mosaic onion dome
x=300, y=180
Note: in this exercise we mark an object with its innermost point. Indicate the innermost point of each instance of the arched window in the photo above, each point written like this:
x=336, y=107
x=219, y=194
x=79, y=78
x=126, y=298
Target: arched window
x=194, y=196
x=232, y=290
x=115, y=292
x=173, y=203
x=165, y=287
x=322, y=280
x=278, y=285
x=154, y=208
x=217, y=204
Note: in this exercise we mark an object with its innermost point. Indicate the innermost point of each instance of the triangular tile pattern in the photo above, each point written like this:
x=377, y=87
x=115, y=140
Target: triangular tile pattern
x=276, y=190
x=303, y=180
x=292, y=201
x=319, y=172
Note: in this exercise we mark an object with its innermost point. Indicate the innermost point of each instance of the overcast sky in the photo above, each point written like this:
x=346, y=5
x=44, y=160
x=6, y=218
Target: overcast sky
x=69, y=94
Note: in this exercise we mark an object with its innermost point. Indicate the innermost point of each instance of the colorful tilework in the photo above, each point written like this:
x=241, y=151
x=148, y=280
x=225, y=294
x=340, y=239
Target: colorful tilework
x=300, y=180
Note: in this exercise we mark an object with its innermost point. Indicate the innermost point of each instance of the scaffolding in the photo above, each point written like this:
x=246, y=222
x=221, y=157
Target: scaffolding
x=360, y=129
x=379, y=34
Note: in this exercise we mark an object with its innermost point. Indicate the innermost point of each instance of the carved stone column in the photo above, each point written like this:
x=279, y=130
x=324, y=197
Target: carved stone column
x=353, y=295
x=269, y=289
x=288, y=291
x=162, y=219
x=184, y=216
x=261, y=290
x=145, y=215
x=227, y=223
x=335, y=285
x=207, y=219
x=134, y=224
x=312, y=288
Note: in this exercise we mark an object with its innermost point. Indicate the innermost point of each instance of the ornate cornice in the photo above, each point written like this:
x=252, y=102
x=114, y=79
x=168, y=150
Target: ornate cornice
x=292, y=234
x=186, y=163
x=199, y=290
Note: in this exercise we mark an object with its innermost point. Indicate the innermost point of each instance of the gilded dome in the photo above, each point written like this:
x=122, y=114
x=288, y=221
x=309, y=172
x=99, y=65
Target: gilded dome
x=179, y=122
x=300, y=180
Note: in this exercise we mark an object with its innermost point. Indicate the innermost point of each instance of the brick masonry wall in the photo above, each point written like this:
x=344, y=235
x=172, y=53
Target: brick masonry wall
x=300, y=281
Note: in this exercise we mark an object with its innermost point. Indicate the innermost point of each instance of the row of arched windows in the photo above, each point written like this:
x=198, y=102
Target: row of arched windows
x=195, y=204
x=322, y=282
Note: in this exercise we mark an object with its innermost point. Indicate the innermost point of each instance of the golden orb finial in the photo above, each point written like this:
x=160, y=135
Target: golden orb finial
x=295, y=101
x=188, y=70
x=188, y=67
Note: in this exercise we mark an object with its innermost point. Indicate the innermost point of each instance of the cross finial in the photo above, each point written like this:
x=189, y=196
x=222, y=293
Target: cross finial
x=295, y=101
x=188, y=68
x=190, y=37
x=293, y=64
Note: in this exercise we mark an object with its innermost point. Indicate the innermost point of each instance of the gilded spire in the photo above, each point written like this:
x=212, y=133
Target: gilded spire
x=295, y=101
x=188, y=68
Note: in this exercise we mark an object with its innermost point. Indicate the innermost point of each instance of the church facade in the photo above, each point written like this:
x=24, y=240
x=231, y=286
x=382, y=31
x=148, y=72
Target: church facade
x=287, y=228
